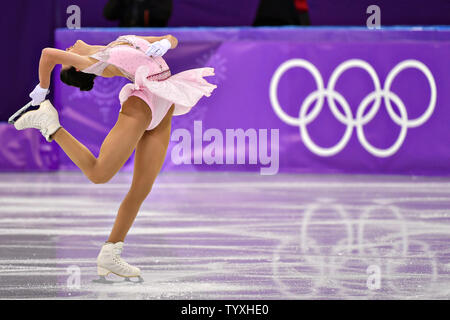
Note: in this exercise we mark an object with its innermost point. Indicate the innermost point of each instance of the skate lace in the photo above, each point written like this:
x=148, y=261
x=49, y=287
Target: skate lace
x=117, y=259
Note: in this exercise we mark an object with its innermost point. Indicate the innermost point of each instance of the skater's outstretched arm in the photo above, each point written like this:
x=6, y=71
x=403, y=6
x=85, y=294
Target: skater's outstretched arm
x=50, y=57
x=172, y=39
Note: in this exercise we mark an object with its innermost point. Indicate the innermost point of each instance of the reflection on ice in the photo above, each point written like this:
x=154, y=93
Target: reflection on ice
x=230, y=236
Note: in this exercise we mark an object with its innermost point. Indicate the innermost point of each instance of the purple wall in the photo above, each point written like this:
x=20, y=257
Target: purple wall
x=27, y=28
x=30, y=26
x=241, y=13
x=26, y=150
x=213, y=13
x=91, y=13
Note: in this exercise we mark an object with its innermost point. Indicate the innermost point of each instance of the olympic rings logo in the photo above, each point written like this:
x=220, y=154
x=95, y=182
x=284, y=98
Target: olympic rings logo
x=377, y=96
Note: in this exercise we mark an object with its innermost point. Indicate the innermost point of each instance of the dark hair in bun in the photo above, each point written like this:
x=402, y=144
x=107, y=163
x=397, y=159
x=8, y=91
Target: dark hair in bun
x=72, y=77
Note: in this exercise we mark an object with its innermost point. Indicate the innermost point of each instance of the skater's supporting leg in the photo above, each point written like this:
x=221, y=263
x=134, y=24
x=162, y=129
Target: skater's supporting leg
x=117, y=147
x=149, y=158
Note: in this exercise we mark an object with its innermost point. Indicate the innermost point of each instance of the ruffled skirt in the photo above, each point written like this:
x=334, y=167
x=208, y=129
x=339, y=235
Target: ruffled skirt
x=183, y=89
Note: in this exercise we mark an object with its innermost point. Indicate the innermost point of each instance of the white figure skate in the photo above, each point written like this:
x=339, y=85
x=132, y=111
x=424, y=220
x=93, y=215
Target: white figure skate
x=109, y=261
x=43, y=117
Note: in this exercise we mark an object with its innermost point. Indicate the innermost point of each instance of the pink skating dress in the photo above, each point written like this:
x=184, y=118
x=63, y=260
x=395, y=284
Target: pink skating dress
x=151, y=78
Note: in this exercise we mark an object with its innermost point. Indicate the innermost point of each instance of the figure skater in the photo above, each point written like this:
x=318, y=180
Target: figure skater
x=144, y=121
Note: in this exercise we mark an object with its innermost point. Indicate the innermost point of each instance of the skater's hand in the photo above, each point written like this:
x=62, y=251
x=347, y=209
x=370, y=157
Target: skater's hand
x=158, y=48
x=38, y=95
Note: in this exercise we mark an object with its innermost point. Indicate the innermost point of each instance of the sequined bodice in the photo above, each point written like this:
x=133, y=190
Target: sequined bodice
x=127, y=53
